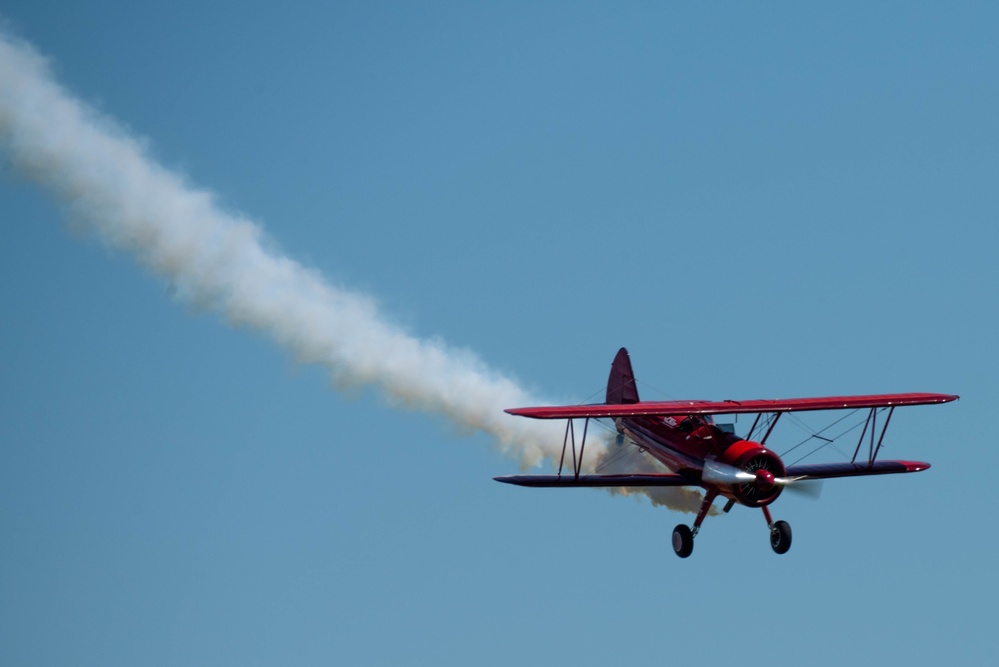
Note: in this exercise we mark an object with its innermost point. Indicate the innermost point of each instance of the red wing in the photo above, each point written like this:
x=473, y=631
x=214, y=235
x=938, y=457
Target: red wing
x=596, y=480
x=662, y=408
x=829, y=470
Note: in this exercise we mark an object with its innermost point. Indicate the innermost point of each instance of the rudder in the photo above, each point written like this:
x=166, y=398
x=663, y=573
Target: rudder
x=621, y=383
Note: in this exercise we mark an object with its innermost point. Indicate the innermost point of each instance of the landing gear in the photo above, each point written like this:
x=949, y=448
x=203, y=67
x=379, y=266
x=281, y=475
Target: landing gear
x=683, y=537
x=683, y=541
x=780, y=537
x=780, y=533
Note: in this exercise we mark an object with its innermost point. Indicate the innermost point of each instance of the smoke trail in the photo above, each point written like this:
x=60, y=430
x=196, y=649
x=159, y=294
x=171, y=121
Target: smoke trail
x=223, y=261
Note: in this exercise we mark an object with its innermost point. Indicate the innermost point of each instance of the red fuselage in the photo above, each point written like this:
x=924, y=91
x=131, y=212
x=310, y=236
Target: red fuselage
x=685, y=444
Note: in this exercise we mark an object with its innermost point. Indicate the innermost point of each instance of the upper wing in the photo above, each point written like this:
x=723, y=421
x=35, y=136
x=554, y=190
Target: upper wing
x=654, y=408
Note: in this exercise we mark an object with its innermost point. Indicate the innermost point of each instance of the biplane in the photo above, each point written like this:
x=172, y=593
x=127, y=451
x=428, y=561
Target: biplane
x=683, y=436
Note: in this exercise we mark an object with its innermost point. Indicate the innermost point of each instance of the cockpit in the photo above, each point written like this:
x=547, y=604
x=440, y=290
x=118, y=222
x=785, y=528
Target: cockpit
x=693, y=422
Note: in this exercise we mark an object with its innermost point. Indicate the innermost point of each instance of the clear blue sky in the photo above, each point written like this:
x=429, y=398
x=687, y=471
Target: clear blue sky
x=758, y=201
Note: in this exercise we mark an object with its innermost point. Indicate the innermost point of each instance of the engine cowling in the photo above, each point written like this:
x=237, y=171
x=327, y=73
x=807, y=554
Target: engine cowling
x=765, y=466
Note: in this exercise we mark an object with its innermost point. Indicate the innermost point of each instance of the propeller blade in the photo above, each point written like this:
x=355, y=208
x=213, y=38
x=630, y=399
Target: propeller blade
x=811, y=488
x=723, y=473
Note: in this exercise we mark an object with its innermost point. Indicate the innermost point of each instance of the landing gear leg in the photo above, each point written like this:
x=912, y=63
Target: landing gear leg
x=683, y=537
x=780, y=533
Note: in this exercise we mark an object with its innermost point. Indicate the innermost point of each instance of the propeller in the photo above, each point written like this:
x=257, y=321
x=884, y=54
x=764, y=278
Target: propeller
x=723, y=473
x=809, y=488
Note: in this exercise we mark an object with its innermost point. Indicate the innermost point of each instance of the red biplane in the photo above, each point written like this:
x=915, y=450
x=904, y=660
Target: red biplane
x=683, y=436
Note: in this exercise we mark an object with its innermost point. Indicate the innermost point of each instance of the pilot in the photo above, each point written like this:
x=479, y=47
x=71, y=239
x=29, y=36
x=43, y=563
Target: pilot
x=694, y=422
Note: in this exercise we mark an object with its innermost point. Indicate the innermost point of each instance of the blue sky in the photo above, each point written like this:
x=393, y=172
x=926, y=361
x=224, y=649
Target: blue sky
x=756, y=201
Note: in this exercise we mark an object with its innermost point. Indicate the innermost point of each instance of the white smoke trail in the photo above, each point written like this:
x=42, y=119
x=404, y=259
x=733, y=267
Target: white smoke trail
x=222, y=260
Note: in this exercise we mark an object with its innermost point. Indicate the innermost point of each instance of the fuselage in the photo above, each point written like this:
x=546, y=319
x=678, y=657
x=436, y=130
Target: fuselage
x=685, y=444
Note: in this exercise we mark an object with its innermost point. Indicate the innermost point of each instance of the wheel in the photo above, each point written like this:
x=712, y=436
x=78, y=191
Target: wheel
x=780, y=537
x=683, y=541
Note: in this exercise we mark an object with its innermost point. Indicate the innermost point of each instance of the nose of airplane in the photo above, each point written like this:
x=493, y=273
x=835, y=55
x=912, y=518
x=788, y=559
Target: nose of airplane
x=764, y=479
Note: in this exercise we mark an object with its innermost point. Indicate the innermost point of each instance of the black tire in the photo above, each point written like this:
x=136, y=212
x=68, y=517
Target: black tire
x=780, y=537
x=683, y=541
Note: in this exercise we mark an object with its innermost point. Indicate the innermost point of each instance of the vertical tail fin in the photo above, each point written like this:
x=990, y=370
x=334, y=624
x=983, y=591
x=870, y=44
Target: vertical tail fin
x=621, y=383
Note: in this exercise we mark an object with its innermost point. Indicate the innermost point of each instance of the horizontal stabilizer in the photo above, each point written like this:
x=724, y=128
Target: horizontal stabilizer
x=595, y=480
x=830, y=470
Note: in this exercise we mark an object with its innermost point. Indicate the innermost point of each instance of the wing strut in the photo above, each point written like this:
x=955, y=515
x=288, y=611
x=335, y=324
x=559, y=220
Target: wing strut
x=749, y=436
x=570, y=435
x=771, y=429
x=872, y=423
x=769, y=423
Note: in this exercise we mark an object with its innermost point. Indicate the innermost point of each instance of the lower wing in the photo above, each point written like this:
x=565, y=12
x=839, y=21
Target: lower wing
x=830, y=470
x=596, y=480
x=807, y=471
